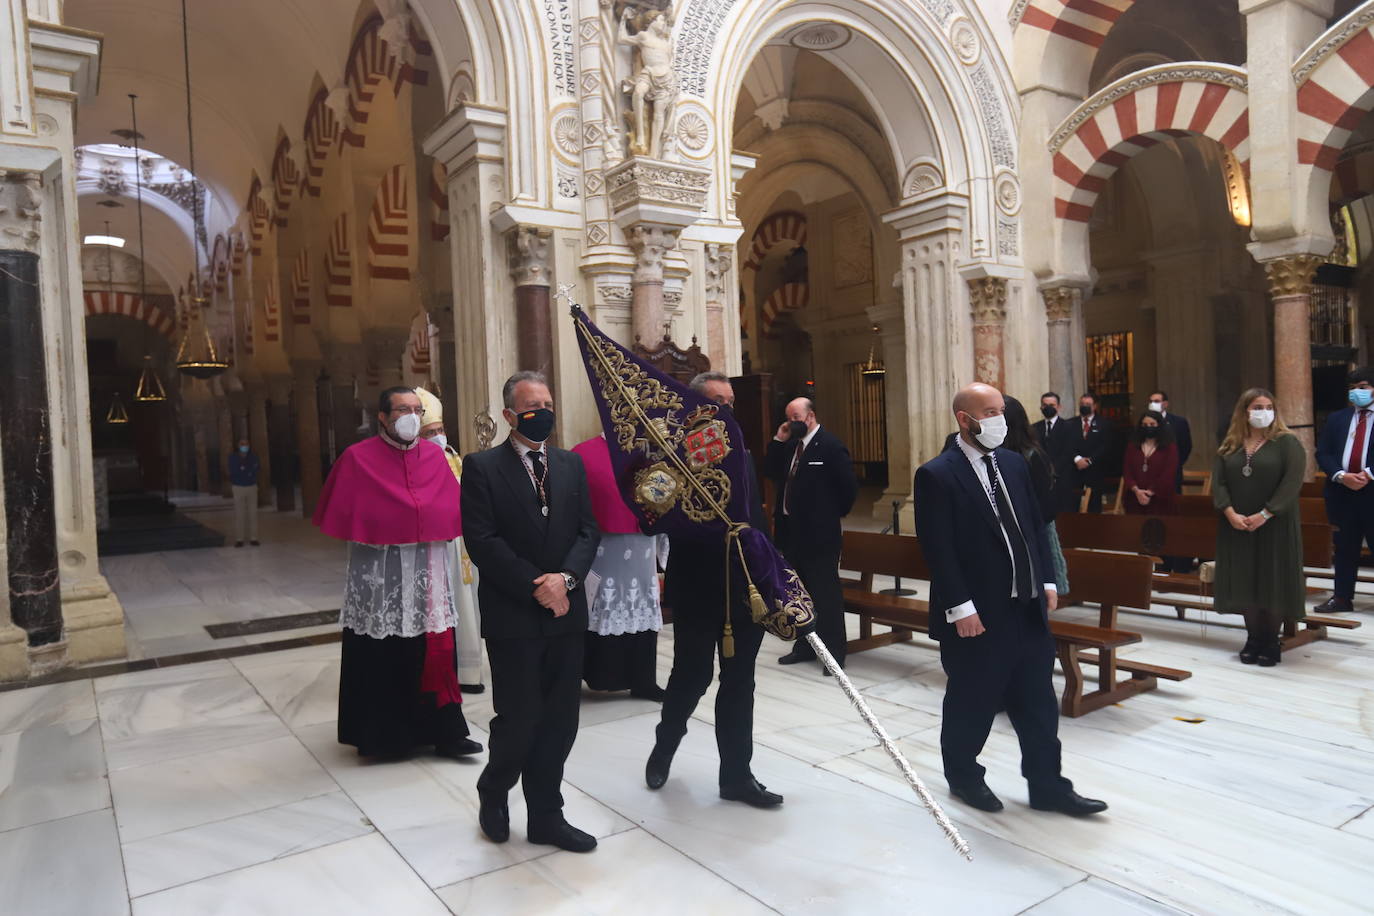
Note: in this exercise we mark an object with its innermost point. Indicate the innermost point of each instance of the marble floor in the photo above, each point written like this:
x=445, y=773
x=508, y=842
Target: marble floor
x=219, y=787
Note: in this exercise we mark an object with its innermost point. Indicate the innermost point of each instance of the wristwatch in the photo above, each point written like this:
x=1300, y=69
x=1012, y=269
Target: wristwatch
x=569, y=581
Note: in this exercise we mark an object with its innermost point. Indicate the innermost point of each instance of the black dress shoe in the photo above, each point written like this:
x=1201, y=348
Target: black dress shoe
x=473, y=688
x=463, y=747
x=238, y=543
x=977, y=795
x=255, y=543
x=655, y=693
x=751, y=793
x=494, y=817
x=796, y=656
x=1271, y=654
x=563, y=835
x=1069, y=802
x=1335, y=605
x=656, y=770
x=1250, y=653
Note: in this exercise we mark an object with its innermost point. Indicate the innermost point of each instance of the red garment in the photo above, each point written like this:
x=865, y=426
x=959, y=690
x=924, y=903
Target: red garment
x=379, y=494
x=1160, y=474
x=440, y=673
x=612, y=515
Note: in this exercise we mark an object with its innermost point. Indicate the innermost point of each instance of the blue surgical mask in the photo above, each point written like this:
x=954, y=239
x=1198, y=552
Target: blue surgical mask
x=243, y=449
x=1361, y=397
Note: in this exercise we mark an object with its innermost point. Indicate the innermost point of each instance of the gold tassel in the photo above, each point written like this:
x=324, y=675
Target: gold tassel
x=757, y=609
x=727, y=642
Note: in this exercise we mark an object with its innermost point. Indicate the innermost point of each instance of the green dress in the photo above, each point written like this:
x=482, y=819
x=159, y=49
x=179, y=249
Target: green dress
x=1261, y=570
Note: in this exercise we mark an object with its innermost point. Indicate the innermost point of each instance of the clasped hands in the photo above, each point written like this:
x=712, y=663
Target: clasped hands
x=551, y=591
x=972, y=625
x=1143, y=496
x=1245, y=522
x=1356, y=481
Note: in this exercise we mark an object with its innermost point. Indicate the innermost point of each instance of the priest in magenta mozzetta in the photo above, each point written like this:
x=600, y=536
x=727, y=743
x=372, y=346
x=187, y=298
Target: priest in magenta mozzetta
x=395, y=500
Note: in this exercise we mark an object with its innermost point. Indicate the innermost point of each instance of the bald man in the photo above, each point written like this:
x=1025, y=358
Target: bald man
x=816, y=488
x=991, y=590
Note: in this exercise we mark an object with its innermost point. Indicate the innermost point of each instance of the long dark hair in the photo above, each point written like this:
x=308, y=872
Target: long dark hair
x=1163, y=439
x=1020, y=436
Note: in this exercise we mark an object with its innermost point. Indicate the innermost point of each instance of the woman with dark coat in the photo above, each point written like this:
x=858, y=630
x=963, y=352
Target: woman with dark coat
x=1149, y=472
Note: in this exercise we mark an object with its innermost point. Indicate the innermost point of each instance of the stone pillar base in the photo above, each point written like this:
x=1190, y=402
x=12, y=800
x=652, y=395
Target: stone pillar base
x=93, y=621
x=14, y=653
x=46, y=659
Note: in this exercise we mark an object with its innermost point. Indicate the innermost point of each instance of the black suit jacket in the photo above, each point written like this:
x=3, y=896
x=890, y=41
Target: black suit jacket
x=694, y=582
x=963, y=543
x=1060, y=443
x=822, y=493
x=1183, y=438
x=1093, y=446
x=1330, y=448
x=513, y=544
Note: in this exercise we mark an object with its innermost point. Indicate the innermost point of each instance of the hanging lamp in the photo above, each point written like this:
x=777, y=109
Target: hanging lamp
x=117, y=415
x=196, y=356
x=149, y=389
x=873, y=370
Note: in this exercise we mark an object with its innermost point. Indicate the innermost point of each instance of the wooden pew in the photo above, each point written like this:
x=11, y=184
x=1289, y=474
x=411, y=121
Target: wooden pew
x=1105, y=580
x=1190, y=536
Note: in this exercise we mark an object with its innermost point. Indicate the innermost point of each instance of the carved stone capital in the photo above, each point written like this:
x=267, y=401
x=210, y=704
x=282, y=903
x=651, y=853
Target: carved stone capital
x=719, y=260
x=21, y=200
x=988, y=300
x=668, y=193
x=650, y=243
x=1061, y=302
x=1292, y=276
x=528, y=248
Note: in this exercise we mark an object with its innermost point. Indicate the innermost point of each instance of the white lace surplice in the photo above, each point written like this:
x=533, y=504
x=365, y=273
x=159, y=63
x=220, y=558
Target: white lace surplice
x=627, y=601
x=397, y=590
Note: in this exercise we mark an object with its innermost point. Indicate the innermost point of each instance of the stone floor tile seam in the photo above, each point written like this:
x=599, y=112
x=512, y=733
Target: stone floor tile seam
x=1351, y=820
x=54, y=820
x=114, y=815
x=236, y=815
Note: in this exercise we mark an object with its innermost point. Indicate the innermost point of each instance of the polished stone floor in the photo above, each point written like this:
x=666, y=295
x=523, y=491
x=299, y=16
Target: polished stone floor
x=218, y=787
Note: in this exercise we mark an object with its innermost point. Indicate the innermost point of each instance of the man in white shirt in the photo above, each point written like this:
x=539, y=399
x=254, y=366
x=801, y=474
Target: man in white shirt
x=992, y=586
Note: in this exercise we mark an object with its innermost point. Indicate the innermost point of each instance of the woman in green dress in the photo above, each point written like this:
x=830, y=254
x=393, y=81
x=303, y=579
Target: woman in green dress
x=1256, y=480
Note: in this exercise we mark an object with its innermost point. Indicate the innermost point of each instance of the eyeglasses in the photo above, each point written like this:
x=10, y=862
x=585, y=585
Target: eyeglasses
x=418, y=411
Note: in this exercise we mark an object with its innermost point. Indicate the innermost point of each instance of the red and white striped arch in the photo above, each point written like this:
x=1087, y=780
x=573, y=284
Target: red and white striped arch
x=1353, y=176
x=371, y=61
x=1084, y=22
x=259, y=216
x=321, y=133
x=1335, y=80
x=783, y=226
x=786, y=298
x=130, y=305
x=338, y=265
x=389, y=228
x=239, y=256
x=286, y=180
x=271, y=312
x=1137, y=112
x=438, y=202
x=300, y=288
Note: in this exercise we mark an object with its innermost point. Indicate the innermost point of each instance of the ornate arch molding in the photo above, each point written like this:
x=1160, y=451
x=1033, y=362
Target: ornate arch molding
x=1335, y=80
x=132, y=306
x=935, y=56
x=1137, y=112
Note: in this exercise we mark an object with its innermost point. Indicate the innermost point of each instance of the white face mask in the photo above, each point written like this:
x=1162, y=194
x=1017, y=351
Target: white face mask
x=408, y=427
x=439, y=439
x=992, y=431
x=1157, y=406
x=1261, y=419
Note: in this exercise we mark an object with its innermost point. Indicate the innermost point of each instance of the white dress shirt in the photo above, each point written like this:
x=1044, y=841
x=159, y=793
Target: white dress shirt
x=1350, y=439
x=975, y=458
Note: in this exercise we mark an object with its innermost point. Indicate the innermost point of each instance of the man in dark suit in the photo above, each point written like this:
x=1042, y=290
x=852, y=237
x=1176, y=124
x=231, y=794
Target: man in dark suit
x=1343, y=454
x=816, y=488
x=529, y=527
x=1183, y=433
x=992, y=585
x=1091, y=439
x=1057, y=438
x=694, y=587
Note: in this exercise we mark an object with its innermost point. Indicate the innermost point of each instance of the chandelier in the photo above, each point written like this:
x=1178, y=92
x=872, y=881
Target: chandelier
x=149, y=389
x=873, y=370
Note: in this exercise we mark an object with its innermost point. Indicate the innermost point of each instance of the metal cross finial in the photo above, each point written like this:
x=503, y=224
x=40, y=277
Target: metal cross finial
x=565, y=292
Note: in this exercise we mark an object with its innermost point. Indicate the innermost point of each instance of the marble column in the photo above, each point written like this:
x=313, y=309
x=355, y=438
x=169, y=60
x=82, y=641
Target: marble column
x=14, y=655
x=283, y=447
x=35, y=597
x=228, y=443
x=528, y=249
x=1063, y=313
x=718, y=281
x=649, y=244
x=306, y=399
x=261, y=440
x=988, y=307
x=1290, y=286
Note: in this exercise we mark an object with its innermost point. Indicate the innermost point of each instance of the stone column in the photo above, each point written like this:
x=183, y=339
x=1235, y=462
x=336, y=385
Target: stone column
x=14, y=642
x=528, y=249
x=306, y=400
x=1064, y=313
x=649, y=243
x=988, y=307
x=1290, y=286
x=35, y=597
x=718, y=282
x=279, y=435
x=228, y=443
x=261, y=440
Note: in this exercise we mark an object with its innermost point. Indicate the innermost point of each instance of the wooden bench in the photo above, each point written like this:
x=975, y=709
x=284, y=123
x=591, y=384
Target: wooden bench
x=1190, y=536
x=1107, y=581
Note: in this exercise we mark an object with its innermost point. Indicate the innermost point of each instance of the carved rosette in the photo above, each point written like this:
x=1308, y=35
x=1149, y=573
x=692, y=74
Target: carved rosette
x=1061, y=302
x=988, y=301
x=1292, y=276
x=650, y=243
x=528, y=248
x=21, y=200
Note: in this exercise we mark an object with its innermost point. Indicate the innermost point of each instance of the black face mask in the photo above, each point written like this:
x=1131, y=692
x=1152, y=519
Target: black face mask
x=798, y=430
x=1149, y=432
x=1048, y=412
x=535, y=425
x=1085, y=410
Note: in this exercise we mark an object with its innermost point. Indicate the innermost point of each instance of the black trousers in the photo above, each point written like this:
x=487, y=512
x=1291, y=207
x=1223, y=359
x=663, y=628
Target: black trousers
x=626, y=662
x=1006, y=668
x=382, y=711
x=820, y=573
x=536, y=688
x=1352, y=513
x=696, y=642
